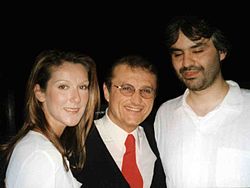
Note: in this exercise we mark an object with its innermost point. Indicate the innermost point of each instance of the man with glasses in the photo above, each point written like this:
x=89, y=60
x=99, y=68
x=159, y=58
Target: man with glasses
x=130, y=90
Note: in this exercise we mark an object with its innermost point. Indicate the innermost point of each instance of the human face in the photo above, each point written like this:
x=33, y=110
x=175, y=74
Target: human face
x=129, y=111
x=197, y=63
x=66, y=96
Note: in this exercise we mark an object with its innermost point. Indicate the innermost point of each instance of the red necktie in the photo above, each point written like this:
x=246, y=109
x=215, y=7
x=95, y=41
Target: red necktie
x=129, y=166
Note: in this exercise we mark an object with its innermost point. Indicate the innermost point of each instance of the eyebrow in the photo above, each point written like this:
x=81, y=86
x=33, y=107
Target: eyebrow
x=202, y=42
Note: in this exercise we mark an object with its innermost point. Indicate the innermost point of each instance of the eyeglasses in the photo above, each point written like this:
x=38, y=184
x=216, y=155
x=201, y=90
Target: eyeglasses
x=128, y=90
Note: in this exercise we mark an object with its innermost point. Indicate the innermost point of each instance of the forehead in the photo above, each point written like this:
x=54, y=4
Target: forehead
x=133, y=75
x=184, y=42
x=69, y=69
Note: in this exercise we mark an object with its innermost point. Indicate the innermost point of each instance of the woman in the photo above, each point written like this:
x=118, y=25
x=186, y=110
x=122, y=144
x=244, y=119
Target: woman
x=62, y=95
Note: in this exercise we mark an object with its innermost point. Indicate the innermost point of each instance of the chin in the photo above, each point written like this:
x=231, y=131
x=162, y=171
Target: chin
x=71, y=123
x=133, y=123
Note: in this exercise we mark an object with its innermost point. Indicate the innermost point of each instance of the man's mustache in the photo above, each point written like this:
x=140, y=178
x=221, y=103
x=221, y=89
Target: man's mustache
x=190, y=68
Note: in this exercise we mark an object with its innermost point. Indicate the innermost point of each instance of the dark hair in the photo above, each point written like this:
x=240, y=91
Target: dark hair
x=72, y=141
x=195, y=28
x=133, y=61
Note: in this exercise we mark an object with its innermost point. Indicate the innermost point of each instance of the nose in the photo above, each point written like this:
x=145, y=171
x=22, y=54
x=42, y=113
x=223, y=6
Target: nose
x=136, y=98
x=75, y=96
x=187, y=59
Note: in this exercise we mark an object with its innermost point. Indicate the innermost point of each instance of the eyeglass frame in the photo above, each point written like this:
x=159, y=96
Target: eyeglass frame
x=120, y=87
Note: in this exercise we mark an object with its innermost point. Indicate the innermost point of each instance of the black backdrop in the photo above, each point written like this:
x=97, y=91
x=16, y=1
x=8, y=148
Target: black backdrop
x=105, y=36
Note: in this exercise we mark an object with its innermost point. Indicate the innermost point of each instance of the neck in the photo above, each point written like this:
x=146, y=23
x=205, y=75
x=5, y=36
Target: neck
x=202, y=102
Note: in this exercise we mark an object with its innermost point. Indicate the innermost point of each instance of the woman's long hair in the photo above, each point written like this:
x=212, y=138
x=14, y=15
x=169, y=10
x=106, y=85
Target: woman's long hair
x=72, y=141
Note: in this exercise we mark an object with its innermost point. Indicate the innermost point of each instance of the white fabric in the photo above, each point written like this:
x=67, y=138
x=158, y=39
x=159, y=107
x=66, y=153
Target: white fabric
x=114, y=138
x=36, y=163
x=209, y=151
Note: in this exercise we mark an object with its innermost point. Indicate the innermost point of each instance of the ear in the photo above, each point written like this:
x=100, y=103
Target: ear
x=222, y=55
x=106, y=92
x=40, y=95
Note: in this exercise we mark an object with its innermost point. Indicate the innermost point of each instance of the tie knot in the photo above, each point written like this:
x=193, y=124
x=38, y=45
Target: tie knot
x=130, y=143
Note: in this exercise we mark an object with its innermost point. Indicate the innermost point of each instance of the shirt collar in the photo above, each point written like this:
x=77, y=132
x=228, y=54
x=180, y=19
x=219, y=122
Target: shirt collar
x=232, y=101
x=117, y=134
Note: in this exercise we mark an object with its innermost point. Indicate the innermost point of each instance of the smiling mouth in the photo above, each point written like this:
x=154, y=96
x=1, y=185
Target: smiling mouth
x=72, y=109
x=190, y=74
x=133, y=109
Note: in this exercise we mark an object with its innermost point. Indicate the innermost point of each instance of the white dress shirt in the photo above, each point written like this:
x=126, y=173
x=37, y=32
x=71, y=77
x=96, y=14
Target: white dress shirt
x=35, y=162
x=114, y=138
x=210, y=151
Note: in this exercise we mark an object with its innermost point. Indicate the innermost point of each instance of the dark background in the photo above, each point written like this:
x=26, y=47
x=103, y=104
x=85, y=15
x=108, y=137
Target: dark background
x=104, y=35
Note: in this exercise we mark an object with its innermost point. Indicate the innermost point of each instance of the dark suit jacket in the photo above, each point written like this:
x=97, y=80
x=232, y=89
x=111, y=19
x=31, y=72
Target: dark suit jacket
x=101, y=171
